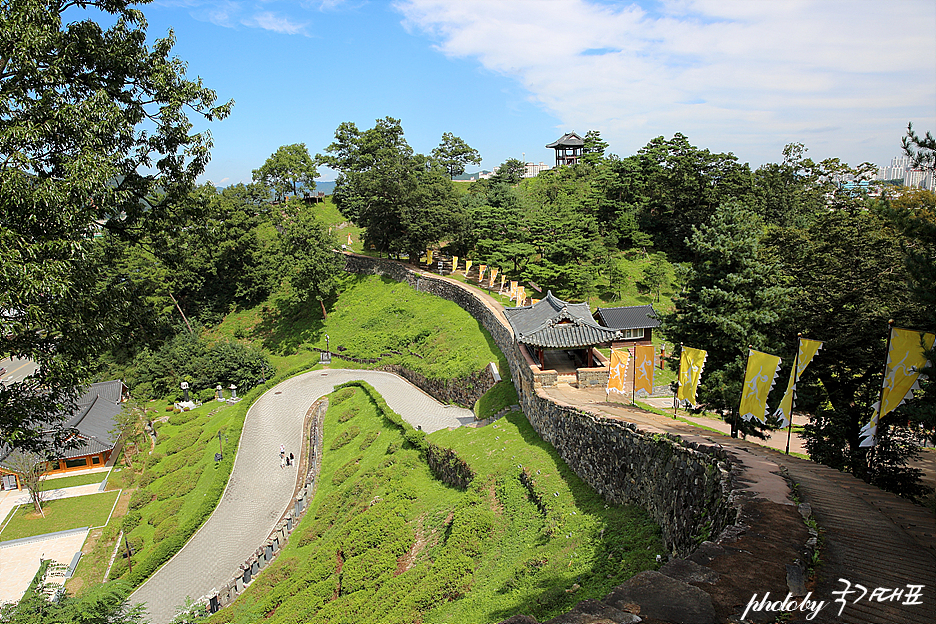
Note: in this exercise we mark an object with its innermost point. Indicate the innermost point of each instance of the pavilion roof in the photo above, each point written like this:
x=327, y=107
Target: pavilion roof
x=570, y=139
x=552, y=323
x=628, y=317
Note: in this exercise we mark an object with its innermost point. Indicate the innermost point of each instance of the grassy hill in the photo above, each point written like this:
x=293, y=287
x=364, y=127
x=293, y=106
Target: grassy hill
x=385, y=541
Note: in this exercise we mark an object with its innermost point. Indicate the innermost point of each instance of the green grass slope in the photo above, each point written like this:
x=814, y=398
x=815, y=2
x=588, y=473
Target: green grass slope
x=373, y=318
x=385, y=541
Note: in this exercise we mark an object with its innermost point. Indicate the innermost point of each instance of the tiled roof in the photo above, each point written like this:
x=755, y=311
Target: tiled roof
x=569, y=139
x=551, y=323
x=630, y=317
x=113, y=391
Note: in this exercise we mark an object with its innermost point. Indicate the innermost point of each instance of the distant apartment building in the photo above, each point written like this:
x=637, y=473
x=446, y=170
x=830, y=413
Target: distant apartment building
x=532, y=170
x=901, y=169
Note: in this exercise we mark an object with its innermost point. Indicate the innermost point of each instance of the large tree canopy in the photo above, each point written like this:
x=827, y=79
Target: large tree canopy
x=454, y=154
x=287, y=170
x=404, y=200
x=92, y=123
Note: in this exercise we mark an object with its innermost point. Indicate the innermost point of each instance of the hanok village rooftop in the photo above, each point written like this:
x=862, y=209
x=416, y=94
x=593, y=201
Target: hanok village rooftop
x=559, y=340
x=93, y=443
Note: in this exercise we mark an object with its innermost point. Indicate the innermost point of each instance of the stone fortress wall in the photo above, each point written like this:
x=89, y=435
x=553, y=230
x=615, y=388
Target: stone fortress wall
x=687, y=488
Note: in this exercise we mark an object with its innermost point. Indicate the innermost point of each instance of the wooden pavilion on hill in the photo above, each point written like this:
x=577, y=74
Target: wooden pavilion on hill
x=560, y=336
x=569, y=148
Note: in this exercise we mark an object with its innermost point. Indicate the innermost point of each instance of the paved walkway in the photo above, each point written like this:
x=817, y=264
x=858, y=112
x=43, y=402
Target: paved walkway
x=259, y=491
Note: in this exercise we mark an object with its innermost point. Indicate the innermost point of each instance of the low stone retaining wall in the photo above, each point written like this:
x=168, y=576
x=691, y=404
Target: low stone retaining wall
x=687, y=489
x=464, y=391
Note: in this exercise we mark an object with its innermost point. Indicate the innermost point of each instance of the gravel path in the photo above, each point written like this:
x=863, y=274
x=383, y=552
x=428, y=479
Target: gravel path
x=259, y=491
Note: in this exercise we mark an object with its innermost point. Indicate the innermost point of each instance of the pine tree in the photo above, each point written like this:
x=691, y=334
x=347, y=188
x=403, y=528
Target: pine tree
x=733, y=296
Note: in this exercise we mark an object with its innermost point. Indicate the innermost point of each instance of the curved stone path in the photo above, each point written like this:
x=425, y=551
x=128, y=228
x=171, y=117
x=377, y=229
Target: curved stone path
x=259, y=491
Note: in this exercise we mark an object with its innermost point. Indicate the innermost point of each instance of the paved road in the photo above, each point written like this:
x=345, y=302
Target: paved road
x=259, y=491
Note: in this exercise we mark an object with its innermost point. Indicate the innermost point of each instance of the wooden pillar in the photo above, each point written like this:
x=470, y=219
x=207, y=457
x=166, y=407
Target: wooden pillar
x=589, y=362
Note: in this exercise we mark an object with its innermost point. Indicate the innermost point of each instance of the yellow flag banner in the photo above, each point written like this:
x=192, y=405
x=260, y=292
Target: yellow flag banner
x=759, y=378
x=468, y=264
x=481, y=269
x=521, y=295
x=691, y=363
x=513, y=290
x=643, y=368
x=493, y=276
x=501, y=287
x=904, y=360
x=454, y=263
x=428, y=256
x=618, y=371
x=807, y=351
x=349, y=240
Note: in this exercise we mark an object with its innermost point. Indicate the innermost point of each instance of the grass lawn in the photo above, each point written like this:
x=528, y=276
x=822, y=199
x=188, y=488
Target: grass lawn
x=60, y=515
x=55, y=483
x=373, y=318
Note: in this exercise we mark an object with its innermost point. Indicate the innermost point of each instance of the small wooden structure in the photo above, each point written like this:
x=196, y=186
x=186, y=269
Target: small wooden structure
x=635, y=323
x=569, y=148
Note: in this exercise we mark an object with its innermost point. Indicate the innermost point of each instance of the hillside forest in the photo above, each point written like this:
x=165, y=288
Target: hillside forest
x=732, y=257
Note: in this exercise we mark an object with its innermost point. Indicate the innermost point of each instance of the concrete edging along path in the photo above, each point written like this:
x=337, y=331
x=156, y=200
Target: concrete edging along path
x=259, y=491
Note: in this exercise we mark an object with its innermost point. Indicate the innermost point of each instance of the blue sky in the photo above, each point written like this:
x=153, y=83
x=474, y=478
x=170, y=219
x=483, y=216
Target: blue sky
x=510, y=76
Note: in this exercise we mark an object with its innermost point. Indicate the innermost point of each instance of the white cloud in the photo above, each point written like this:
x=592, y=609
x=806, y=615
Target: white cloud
x=733, y=75
x=233, y=13
x=268, y=20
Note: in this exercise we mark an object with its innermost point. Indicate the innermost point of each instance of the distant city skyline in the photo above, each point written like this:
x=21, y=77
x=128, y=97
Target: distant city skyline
x=509, y=78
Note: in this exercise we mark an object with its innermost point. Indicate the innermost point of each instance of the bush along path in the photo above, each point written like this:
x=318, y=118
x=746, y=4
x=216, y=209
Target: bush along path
x=259, y=490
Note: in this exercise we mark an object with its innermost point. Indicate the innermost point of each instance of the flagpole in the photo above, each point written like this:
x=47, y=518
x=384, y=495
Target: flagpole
x=799, y=338
x=678, y=377
x=890, y=333
x=736, y=424
x=634, y=377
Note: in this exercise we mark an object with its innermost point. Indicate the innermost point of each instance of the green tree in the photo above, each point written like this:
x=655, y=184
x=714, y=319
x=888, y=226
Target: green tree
x=510, y=171
x=314, y=265
x=847, y=274
x=92, y=123
x=287, y=170
x=103, y=604
x=404, y=201
x=454, y=154
x=656, y=272
x=684, y=187
x=734, y=297
x=594, y=148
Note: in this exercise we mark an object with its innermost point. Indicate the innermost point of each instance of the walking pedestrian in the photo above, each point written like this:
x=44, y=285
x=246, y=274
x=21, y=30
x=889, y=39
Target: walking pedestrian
x=283, y=460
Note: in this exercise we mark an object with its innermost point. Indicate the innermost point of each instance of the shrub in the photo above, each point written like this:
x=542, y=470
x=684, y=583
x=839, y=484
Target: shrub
x=169, y=509
x=182, y=440
x=165, y=528
x=342, y=474
x=130, y=521
x=348, y=414
x=344, y=437
x=341, y=396
x=140, y=498
x=369, y=439
x=182, y=417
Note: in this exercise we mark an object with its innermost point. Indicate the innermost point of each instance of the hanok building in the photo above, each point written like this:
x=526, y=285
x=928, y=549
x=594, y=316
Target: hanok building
x=94, y=422
x=569, y=148
x=636, y=324
x=558, y=340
